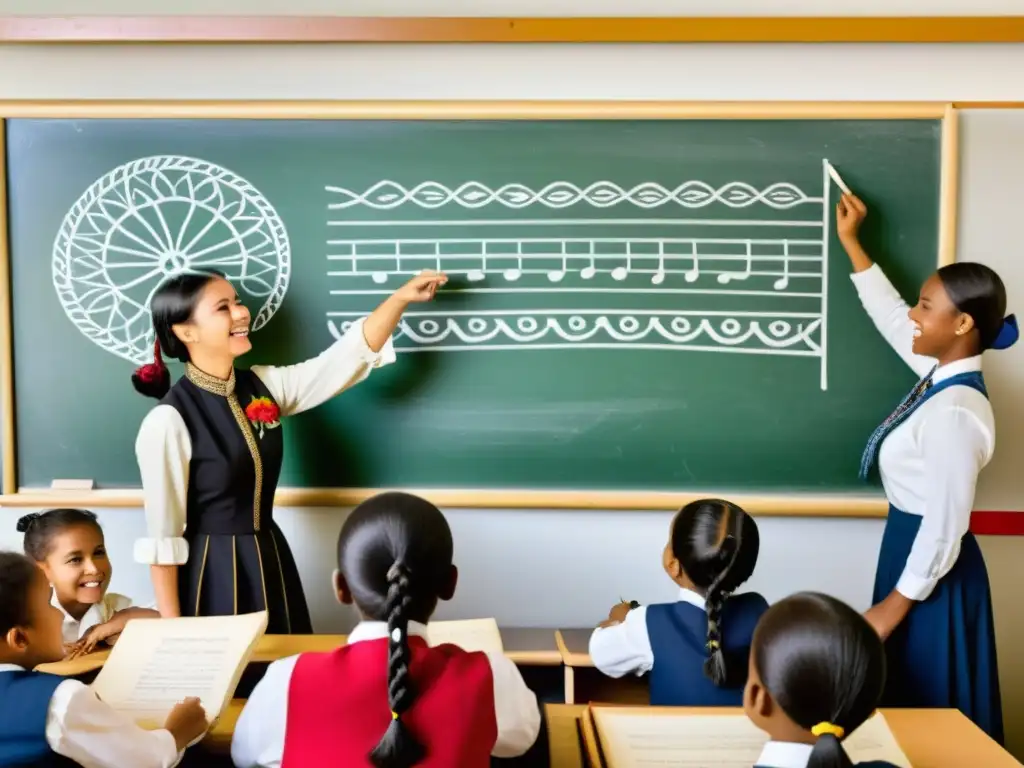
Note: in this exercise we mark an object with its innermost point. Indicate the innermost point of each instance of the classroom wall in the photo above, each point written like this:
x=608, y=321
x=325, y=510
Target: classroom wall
x=543, y=567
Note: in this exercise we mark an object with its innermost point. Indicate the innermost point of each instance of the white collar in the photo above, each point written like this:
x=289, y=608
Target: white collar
x=11, y=668
x=378, y=630
x=72, y=628
x=957, y=366
x=691, y=597
x=784, y=754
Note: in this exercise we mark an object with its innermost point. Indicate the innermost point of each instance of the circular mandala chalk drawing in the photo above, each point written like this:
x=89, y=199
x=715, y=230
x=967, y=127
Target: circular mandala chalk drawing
x=160, y=216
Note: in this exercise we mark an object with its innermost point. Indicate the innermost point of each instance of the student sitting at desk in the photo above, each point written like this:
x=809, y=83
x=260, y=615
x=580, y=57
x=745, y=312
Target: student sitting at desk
x=68, y=545
x=52, y=721
x=695, y=648
x=817, y=670
x=388, y=699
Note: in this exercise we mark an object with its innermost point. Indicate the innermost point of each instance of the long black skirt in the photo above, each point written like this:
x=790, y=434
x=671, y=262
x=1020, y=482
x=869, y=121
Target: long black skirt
x=231, y=574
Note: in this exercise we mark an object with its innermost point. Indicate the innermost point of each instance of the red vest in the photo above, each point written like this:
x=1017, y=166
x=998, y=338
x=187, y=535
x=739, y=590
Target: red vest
x=338, y=706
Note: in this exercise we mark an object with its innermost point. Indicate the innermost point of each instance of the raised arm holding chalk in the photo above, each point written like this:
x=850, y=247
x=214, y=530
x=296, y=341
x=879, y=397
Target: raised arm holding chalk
x=931, y=581
x=850, y=213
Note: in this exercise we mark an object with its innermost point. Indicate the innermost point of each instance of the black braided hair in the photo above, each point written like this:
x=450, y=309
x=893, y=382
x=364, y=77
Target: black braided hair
x=40, y=528
x=822, y=663
x=717, y=543
x=173, y=303
x=395, y=553
x=398, y=747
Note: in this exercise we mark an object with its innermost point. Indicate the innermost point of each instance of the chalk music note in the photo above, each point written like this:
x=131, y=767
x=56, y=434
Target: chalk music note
x=556, y=275
x=659, y=277
x=476, y=275
x=693, y=273
x=381, y=277
x=783, y=281
x=516, y=272
x=590, y=270
x=620, y=273
x=729, y=277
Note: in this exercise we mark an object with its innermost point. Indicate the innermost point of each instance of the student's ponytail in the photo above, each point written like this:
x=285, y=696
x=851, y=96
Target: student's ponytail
x=724, y=668
x=398, y=748
x=828, y=752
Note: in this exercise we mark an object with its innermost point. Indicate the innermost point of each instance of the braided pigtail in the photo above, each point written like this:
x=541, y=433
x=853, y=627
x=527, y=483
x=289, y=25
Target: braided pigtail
x=723, y=668
x=398, y=748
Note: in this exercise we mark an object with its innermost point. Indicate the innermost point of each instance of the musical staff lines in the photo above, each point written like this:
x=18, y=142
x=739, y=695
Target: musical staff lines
x=545, y=266
x=658, y=261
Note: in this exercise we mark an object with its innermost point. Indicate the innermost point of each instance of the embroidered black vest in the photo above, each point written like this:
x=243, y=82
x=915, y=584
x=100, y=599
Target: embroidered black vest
x=234, y=469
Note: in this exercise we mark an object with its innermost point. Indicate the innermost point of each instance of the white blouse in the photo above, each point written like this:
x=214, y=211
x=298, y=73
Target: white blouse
x=259, y=736
x=784, y=754
x=930, y=463
x=82, y=728
x=98, y=613
x=163, y=448
x=624, y=648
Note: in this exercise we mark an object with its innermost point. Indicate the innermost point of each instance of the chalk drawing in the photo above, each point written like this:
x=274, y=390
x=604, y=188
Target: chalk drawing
x=155, y=217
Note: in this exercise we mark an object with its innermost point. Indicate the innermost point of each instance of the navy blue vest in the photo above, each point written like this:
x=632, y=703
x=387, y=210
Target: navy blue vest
x=25, y=701
x=678, y=633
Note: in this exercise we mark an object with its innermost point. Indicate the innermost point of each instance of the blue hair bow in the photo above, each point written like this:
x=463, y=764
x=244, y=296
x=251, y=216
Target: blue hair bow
x=1008, y=333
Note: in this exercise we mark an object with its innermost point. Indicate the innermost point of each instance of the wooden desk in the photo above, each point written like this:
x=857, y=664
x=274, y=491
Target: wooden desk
x=584, y=683
x=931, y=738
x=524, y=646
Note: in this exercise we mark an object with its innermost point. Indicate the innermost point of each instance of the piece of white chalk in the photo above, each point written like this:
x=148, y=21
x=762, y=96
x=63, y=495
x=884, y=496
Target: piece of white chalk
x=837, y=178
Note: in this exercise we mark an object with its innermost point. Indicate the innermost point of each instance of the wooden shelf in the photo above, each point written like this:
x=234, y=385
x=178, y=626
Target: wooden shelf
x=392, y=29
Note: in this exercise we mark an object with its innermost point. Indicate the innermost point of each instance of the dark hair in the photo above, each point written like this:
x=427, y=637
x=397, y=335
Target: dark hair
x=16, y=575
x=173, y=303
x=39, y=529
x=717, y=543
x=976, y=290
x=395, y=551
x=821, y=662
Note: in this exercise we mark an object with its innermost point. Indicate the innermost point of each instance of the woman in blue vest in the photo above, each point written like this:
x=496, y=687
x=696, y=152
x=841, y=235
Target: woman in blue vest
x=931, y=600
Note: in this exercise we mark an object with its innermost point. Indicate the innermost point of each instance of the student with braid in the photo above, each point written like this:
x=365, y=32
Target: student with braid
x=817, y=670
x=387, y=699
x=695, y=649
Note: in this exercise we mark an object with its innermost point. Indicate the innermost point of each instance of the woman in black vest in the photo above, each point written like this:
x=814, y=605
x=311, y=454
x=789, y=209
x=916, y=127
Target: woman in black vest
x=210, y=454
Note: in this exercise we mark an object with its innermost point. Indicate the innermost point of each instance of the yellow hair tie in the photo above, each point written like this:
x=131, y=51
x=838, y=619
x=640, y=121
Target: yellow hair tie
x=822, y=728
x=713, y=645
x=394, y=715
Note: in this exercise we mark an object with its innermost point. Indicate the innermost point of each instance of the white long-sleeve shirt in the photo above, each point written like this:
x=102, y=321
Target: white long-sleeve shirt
x=163, y=447
x=81, y=727
x=930, y=463
x=258, y=740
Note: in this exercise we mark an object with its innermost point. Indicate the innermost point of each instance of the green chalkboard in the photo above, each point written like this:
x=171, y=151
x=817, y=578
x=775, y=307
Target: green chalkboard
x=648, y=305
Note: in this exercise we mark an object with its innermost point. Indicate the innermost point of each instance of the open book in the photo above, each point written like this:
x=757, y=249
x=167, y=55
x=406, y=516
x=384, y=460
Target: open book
x=645, y=737
x=468, y=634
x=158, y=662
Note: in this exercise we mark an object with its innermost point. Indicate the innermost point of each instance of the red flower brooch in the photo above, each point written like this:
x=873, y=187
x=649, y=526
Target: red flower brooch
x=263, y=413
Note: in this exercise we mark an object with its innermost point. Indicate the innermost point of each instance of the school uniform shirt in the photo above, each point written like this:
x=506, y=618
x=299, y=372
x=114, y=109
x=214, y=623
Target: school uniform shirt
x=332, y=708
x=669, y=640
x=46, y=715
x=98, y=613
x=787, y=754
x=209, y=475
x=930, y=463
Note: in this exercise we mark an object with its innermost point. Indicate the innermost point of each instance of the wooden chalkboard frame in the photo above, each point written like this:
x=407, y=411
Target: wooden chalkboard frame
x=816, y=505
x=498, y=29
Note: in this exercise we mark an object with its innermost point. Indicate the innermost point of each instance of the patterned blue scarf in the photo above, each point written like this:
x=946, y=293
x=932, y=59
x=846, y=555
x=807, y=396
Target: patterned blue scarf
x=922, y=391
